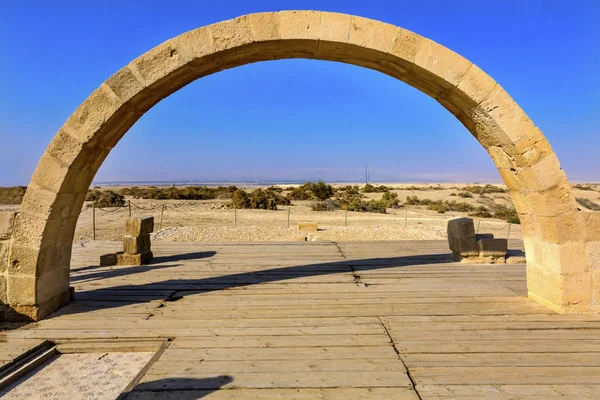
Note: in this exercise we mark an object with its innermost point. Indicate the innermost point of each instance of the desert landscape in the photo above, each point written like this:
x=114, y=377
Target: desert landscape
x=215, y=220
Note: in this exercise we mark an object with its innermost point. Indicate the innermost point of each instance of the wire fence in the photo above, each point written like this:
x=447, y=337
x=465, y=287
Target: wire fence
x=231, y=217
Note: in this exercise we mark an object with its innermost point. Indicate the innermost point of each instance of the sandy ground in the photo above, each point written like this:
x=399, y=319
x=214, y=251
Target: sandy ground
x=207, y=220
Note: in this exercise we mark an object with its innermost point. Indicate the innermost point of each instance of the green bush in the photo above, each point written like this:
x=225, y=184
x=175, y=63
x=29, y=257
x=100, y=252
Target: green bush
x=348, y=190
x=240, y=199
x=374, y=206
x=443, y=206
x=257, y=199
x=368, y=188
x=390, y=199
x=311, y=191
x=326, y=205
x=301, y=193
x=105, y=198
x=590, y=205
x=415, y=201
x=322, y=190
x=586, y=186
x=507, y=214
x=425, y=188
x=465, y=195
x=185, y=193
x=486, y=189
x=12, y=195
x=481, y=212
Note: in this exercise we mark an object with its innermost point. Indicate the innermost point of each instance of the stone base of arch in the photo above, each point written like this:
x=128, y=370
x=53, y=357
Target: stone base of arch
x=35, y=312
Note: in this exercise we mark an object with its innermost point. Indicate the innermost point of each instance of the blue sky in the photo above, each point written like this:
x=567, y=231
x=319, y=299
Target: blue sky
x=298, y=119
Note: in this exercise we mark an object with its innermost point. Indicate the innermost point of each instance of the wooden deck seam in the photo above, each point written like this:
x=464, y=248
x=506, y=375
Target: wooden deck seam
x=412, y=381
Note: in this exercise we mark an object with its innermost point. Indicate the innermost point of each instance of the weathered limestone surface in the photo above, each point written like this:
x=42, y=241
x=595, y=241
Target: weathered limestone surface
x=106, y=260
x=136, y=244
x=562, y=263
x=139, y=226
x=134, y=259
x=461, y=238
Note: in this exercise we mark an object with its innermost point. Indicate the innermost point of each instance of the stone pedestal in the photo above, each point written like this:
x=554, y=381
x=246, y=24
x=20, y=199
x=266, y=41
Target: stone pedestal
x=136, y=244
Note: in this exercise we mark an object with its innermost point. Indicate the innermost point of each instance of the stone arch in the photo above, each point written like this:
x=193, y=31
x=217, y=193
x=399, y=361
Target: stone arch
x=36, y=276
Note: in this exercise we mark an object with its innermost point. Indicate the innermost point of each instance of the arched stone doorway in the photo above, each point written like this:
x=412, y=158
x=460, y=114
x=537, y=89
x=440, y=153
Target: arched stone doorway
x=560, y=241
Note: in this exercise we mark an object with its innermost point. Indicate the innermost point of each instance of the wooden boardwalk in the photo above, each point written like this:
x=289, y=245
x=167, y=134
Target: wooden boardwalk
x=322, y=320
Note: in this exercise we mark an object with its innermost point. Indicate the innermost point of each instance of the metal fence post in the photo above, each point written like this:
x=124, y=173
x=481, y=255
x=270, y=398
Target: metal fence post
x=129, y=204
x=234, y=216
x=346, y=217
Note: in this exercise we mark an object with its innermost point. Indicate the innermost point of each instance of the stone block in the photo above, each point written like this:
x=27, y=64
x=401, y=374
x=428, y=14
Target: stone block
x=596, y=287
x=447, y=67
x=476, y=84
x=232, y=34
x=307, y=227
x=106, y=260
x=563, y=228
x=300, y=25
x=461, y=237
x=492, y=247
x=3, y=293
x=91, y=115
x=552, y=202
x=372, y=34
x=265, y=26
x=136, y=244
x=7, y=221
x=139, y=226
x=134, y=259
x=21, y=290
x=335, y=27
x=4, y=250
x=158, y=63
x=593, y=251
x=591, y=221
x=51, y=284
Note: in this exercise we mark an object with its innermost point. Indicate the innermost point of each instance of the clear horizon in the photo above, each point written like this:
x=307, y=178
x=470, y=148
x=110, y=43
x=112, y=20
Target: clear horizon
x=299, y=120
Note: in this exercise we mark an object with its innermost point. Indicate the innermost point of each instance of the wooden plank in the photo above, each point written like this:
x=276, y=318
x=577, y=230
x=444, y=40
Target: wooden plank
x=500, y=346
x=401, y=335
x=271, y=366
x=318, y=379
x=506, y=375
x=553, y=359
x=399, y=393
x=281, y=341
x=509, y=392
x=291, y=353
